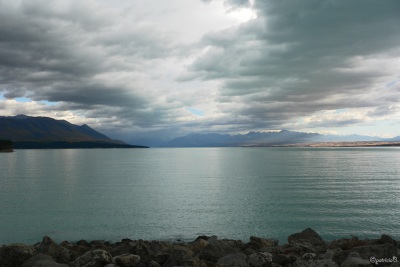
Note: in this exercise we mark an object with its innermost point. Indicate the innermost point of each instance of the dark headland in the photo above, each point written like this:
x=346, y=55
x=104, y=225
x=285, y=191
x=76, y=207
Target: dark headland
x=43, y=132
x=6, y=146
x=305, y=248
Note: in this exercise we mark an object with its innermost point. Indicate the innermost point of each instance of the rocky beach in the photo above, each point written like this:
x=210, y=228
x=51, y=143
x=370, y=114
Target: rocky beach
x=305, y=248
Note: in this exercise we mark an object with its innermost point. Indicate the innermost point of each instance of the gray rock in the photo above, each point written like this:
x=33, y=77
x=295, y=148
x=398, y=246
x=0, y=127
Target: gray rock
x=378, y=251
x=328, y=255
x=260, y=259
x=93, y=258
x=212, y=238
x=15, y=254
x=145, y=249
x=218, y=248
x=386, y=239
x=354, y=260
x=308, y=256
x=259, y=243
x=48, y=263
x=180, y=256
x=126, y=260
x=154, y=264
x=308, y=235
x=161, y=258
x=298, y=248
x=57, y=252
x=234, y=260
x=124, y=248
x=38, y=257
x=313, y=263
x=348, y=243
x=198, y=245
x=281, y=259
x=111, y=265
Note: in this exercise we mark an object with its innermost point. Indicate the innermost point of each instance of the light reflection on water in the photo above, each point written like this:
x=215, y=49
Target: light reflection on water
x=181, y=193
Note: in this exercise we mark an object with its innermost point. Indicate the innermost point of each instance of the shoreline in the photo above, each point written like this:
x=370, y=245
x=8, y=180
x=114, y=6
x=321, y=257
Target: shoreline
x=305, y=248
x=333, y=144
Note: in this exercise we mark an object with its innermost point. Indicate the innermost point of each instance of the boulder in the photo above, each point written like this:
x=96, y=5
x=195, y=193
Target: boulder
x=308, y=256
x=328, y=255
x=216, y=249
x=298, y=249
x=79, y=247
x=180, y=256
x=100, y=244
x=123, y=248
x=207, y=238
x=386, y=239
x=154, y=264
x=282, y=259
x=309, y=236
x=233, y=260
x=93, y=258
x=260, y=259
x=259, y=243
x=145, y=249
x=313, y=263
x=354, y=260
x=15, y=254
x=348, y=243
x=198, y=245
x=378, y=251
x=126, y=260
x=38, y=257
x=58, y=253
x=48, y=263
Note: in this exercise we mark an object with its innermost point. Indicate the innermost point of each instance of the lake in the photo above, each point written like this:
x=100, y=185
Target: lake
x=180, y=193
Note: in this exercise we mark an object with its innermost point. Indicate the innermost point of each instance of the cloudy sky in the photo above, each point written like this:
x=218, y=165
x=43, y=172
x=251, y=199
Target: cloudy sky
x=142, y=70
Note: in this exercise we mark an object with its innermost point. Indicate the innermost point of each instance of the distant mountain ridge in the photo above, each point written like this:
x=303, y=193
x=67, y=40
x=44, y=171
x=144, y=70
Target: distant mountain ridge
x=44, y=132
x=26, y=128
x=251, y=138
x=271, y=138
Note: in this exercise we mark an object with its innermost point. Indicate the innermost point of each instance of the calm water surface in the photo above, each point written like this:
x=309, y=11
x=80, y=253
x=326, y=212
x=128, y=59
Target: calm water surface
x=182, y=193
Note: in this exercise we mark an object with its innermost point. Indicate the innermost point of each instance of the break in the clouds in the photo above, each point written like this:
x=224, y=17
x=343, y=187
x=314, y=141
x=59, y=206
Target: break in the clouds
x=152, y=69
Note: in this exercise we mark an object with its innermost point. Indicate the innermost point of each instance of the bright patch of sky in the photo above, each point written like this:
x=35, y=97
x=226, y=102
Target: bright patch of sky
x=195, y=111
x=48, y=103
x=23, y=99
x=339, y=111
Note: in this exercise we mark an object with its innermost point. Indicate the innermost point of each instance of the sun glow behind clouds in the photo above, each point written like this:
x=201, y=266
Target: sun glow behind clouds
x=243, y=14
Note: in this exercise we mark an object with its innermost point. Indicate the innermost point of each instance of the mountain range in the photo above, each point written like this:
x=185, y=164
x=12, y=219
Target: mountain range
x=43, y=132
x=272, y=138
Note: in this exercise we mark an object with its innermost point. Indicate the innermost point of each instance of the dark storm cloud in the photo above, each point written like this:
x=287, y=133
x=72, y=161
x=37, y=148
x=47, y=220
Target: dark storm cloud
x=305, y=56
x=74, y=52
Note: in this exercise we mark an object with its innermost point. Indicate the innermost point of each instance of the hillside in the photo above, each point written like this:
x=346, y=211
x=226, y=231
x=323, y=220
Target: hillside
x=44, y=132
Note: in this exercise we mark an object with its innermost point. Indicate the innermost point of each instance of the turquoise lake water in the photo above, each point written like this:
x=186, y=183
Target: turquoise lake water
x=171, y=194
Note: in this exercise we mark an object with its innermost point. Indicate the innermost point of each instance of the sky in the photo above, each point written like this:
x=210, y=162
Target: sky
x=149, y=70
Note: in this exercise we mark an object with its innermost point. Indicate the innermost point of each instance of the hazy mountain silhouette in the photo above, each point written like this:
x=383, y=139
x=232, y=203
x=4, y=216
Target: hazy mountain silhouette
x=283, y=137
